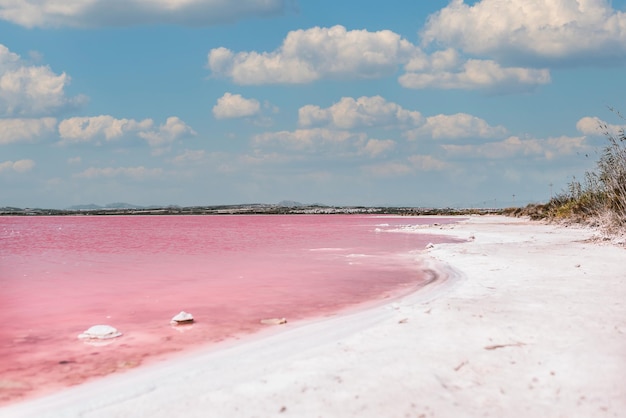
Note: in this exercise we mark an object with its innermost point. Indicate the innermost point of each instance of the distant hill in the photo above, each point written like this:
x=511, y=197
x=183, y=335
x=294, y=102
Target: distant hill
x=117, y=205
x=122, y=205
x=289, y=204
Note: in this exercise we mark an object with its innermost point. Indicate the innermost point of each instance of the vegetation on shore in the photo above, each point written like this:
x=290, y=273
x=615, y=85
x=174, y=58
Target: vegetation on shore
x=598, y=200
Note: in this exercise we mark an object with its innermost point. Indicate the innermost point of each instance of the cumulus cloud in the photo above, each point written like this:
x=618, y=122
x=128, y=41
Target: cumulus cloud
x=322, y=141
x=596, y=126
x=460, y=125
x=173, y=129
x=17, y=130
x=318, y=53
x=19, y=166
x=135, y=173
x=515, y=146
x=312, y=54
x=367, y=112
x=235, y=106
x=363, y=112
x=531, y=31
x=96, y=13
x=84, y=129
x=376, y=147
x=27, y=90
x=473, y=74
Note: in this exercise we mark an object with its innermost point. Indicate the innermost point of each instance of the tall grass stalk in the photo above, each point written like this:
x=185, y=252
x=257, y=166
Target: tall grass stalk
x=601, y=197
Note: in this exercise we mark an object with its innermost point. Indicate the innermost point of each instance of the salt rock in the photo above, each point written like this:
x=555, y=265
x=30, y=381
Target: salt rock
x=274, y=321
x=100, y=332
x=430, y=245
x=182, y=318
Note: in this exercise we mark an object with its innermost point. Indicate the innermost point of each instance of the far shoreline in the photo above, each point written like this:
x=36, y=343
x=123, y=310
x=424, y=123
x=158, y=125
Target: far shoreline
x=255, y=209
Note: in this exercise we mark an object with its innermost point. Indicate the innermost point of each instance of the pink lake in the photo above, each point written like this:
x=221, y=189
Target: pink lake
x=61, y=275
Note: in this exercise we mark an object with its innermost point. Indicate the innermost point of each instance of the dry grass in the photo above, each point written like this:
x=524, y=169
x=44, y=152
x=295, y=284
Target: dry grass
x=599, y=200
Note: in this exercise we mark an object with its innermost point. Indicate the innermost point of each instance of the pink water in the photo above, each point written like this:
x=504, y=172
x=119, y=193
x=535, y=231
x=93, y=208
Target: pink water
x=61, y=275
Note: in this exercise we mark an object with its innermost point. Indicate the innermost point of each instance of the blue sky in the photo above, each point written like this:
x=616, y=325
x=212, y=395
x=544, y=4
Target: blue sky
x=190, y=102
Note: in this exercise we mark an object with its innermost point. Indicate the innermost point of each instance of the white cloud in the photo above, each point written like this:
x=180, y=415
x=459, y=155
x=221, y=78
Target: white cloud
x=136, y=173
x=27, y=90
x=312, y=54
x=525, y=31
x=19, y=166
x=94, y=13
x=235, y=106
x=16, y=130
x=337, y=53
x=363, y=112
x=322, y=141
x=474, y=74
x=375, y=111
x=376, y=147
x=437, y=61
x=596, y=126
x=515, y=146
x=460, y=125
x=173, y=129
x=83, y=129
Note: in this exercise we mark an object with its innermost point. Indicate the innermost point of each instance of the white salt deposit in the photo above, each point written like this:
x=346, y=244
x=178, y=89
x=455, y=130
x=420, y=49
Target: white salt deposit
x=100, y=332
x=182, y=318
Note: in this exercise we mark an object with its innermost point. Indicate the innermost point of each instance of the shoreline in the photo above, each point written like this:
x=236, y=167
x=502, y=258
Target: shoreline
x=531, y=323
x=265, y=344
x=138, y=293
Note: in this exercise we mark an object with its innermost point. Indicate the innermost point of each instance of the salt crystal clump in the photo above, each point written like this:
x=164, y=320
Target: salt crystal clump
x=100, y=332
x=182, y=318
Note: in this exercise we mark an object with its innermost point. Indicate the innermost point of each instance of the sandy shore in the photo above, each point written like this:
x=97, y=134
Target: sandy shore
x=525, y=320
